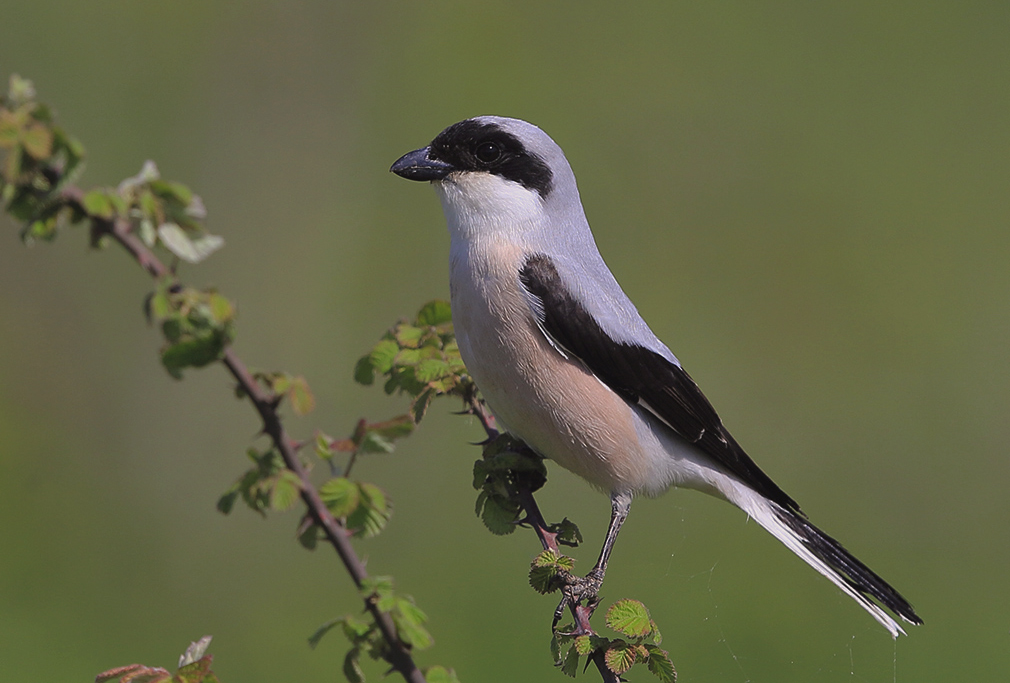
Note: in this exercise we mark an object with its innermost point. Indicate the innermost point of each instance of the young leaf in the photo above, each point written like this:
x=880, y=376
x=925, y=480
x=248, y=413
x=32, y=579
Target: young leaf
x=571, y=665
x=364, y=373
x=352, y=668
x=382, y=355
x=322, y=631
x=354, y=630
x=340, y=495
x=419, y=406
x=395, y=428
x=285, y=491
x=619, y=657
x=373, y=512
x=408, y=619
x=542, y=579
x=98, y=203
x=302, y=400
x=227, y=501
x=434, y=313
x=568, y=533
x=408, y=336
x=583, y=645
x=430, y=370
x=38, y=141
x=629, y=617
x=374, y=442
x=439, y=674
x=194, y=672
x=661, y=665
x=499, y=516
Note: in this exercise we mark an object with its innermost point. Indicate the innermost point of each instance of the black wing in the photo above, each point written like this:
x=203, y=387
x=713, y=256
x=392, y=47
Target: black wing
x=640, y=376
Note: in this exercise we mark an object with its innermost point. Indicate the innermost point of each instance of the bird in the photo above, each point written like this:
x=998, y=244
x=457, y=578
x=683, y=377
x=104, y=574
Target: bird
x=567, y=365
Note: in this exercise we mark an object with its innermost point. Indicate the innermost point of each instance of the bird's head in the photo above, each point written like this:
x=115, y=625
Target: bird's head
x=496, y=173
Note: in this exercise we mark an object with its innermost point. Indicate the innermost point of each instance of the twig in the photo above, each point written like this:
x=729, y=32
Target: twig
x=398, y=654
x=533, y=517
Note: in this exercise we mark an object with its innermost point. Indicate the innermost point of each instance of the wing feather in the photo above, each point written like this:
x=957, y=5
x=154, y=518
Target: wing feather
x=639, y=375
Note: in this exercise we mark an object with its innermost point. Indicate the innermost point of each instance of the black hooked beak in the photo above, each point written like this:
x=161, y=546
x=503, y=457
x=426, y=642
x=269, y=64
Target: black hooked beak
x=417, y=165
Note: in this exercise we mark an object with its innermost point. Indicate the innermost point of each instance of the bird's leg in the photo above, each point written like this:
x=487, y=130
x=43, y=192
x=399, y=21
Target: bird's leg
x=577, y=589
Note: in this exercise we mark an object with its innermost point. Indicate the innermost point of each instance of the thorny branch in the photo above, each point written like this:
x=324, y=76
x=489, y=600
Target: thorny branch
x=398, y=654
x=534, y=518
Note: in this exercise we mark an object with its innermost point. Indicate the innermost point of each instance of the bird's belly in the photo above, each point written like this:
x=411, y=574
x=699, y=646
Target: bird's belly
x=554, y=404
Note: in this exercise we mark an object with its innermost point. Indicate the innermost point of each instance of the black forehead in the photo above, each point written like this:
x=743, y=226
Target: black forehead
x=456, y=144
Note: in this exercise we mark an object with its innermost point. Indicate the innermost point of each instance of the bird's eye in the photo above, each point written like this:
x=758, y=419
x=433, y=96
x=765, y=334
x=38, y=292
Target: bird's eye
x=487, y=152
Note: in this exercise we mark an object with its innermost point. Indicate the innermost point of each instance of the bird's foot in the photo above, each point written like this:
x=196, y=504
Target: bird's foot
x=581, y=595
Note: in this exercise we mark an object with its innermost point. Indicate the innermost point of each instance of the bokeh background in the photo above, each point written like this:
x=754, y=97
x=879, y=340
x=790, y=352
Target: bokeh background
x=808, y=201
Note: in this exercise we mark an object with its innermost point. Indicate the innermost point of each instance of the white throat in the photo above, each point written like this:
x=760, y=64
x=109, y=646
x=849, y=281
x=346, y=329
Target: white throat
x=482, y=205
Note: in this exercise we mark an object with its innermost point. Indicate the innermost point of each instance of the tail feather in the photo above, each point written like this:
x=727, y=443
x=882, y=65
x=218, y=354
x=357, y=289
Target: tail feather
x=828, y=557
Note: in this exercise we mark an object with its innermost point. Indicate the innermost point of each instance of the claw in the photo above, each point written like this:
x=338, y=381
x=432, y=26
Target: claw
x=576, y=591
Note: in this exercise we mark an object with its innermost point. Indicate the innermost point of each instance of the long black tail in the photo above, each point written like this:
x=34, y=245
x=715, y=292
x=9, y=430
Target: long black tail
x=856, y=574
x=828, y=557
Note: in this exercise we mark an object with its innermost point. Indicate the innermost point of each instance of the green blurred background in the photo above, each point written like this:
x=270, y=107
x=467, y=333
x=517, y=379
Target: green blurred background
x=808, y=202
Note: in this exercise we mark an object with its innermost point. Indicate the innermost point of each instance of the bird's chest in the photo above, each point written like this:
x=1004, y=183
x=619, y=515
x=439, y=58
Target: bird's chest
x=497, y=335
x=551, y=402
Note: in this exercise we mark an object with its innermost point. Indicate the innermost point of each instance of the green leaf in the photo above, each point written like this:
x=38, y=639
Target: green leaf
x=12, y=169
x=629, y=617
x=226, y=502
x=419, y=406
x=38, y=141
x=407, y=356
x=394, y=428
x=408, y=336
x=172, y=190
x=309, y=536
x=302, y=400
x=193, y=352
x=661, y=665
x=499, y=516
x=10, y=129
x=408, y=618
x=583, y=645
x=571, y=665
x=568, y=533
x=435, y=313
x=354, y=630
x=363, y=371
x=195, y=672
x=352, y=668
x=382, y=355
x=322, y=631
x=340, y=495
x=381, y=587
x=374, y=442
x=439, y=674
x=619, y=657
x=98, y=203
x=432, y=369
x=372, y=513
x=542, y=579
x=286, y=490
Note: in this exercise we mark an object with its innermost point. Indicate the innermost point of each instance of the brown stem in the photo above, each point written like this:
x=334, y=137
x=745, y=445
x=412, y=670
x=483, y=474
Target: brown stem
x=398, y=654
x=533, y=517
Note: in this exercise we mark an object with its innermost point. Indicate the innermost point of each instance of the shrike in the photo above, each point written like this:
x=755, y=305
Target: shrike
x=568, y=366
